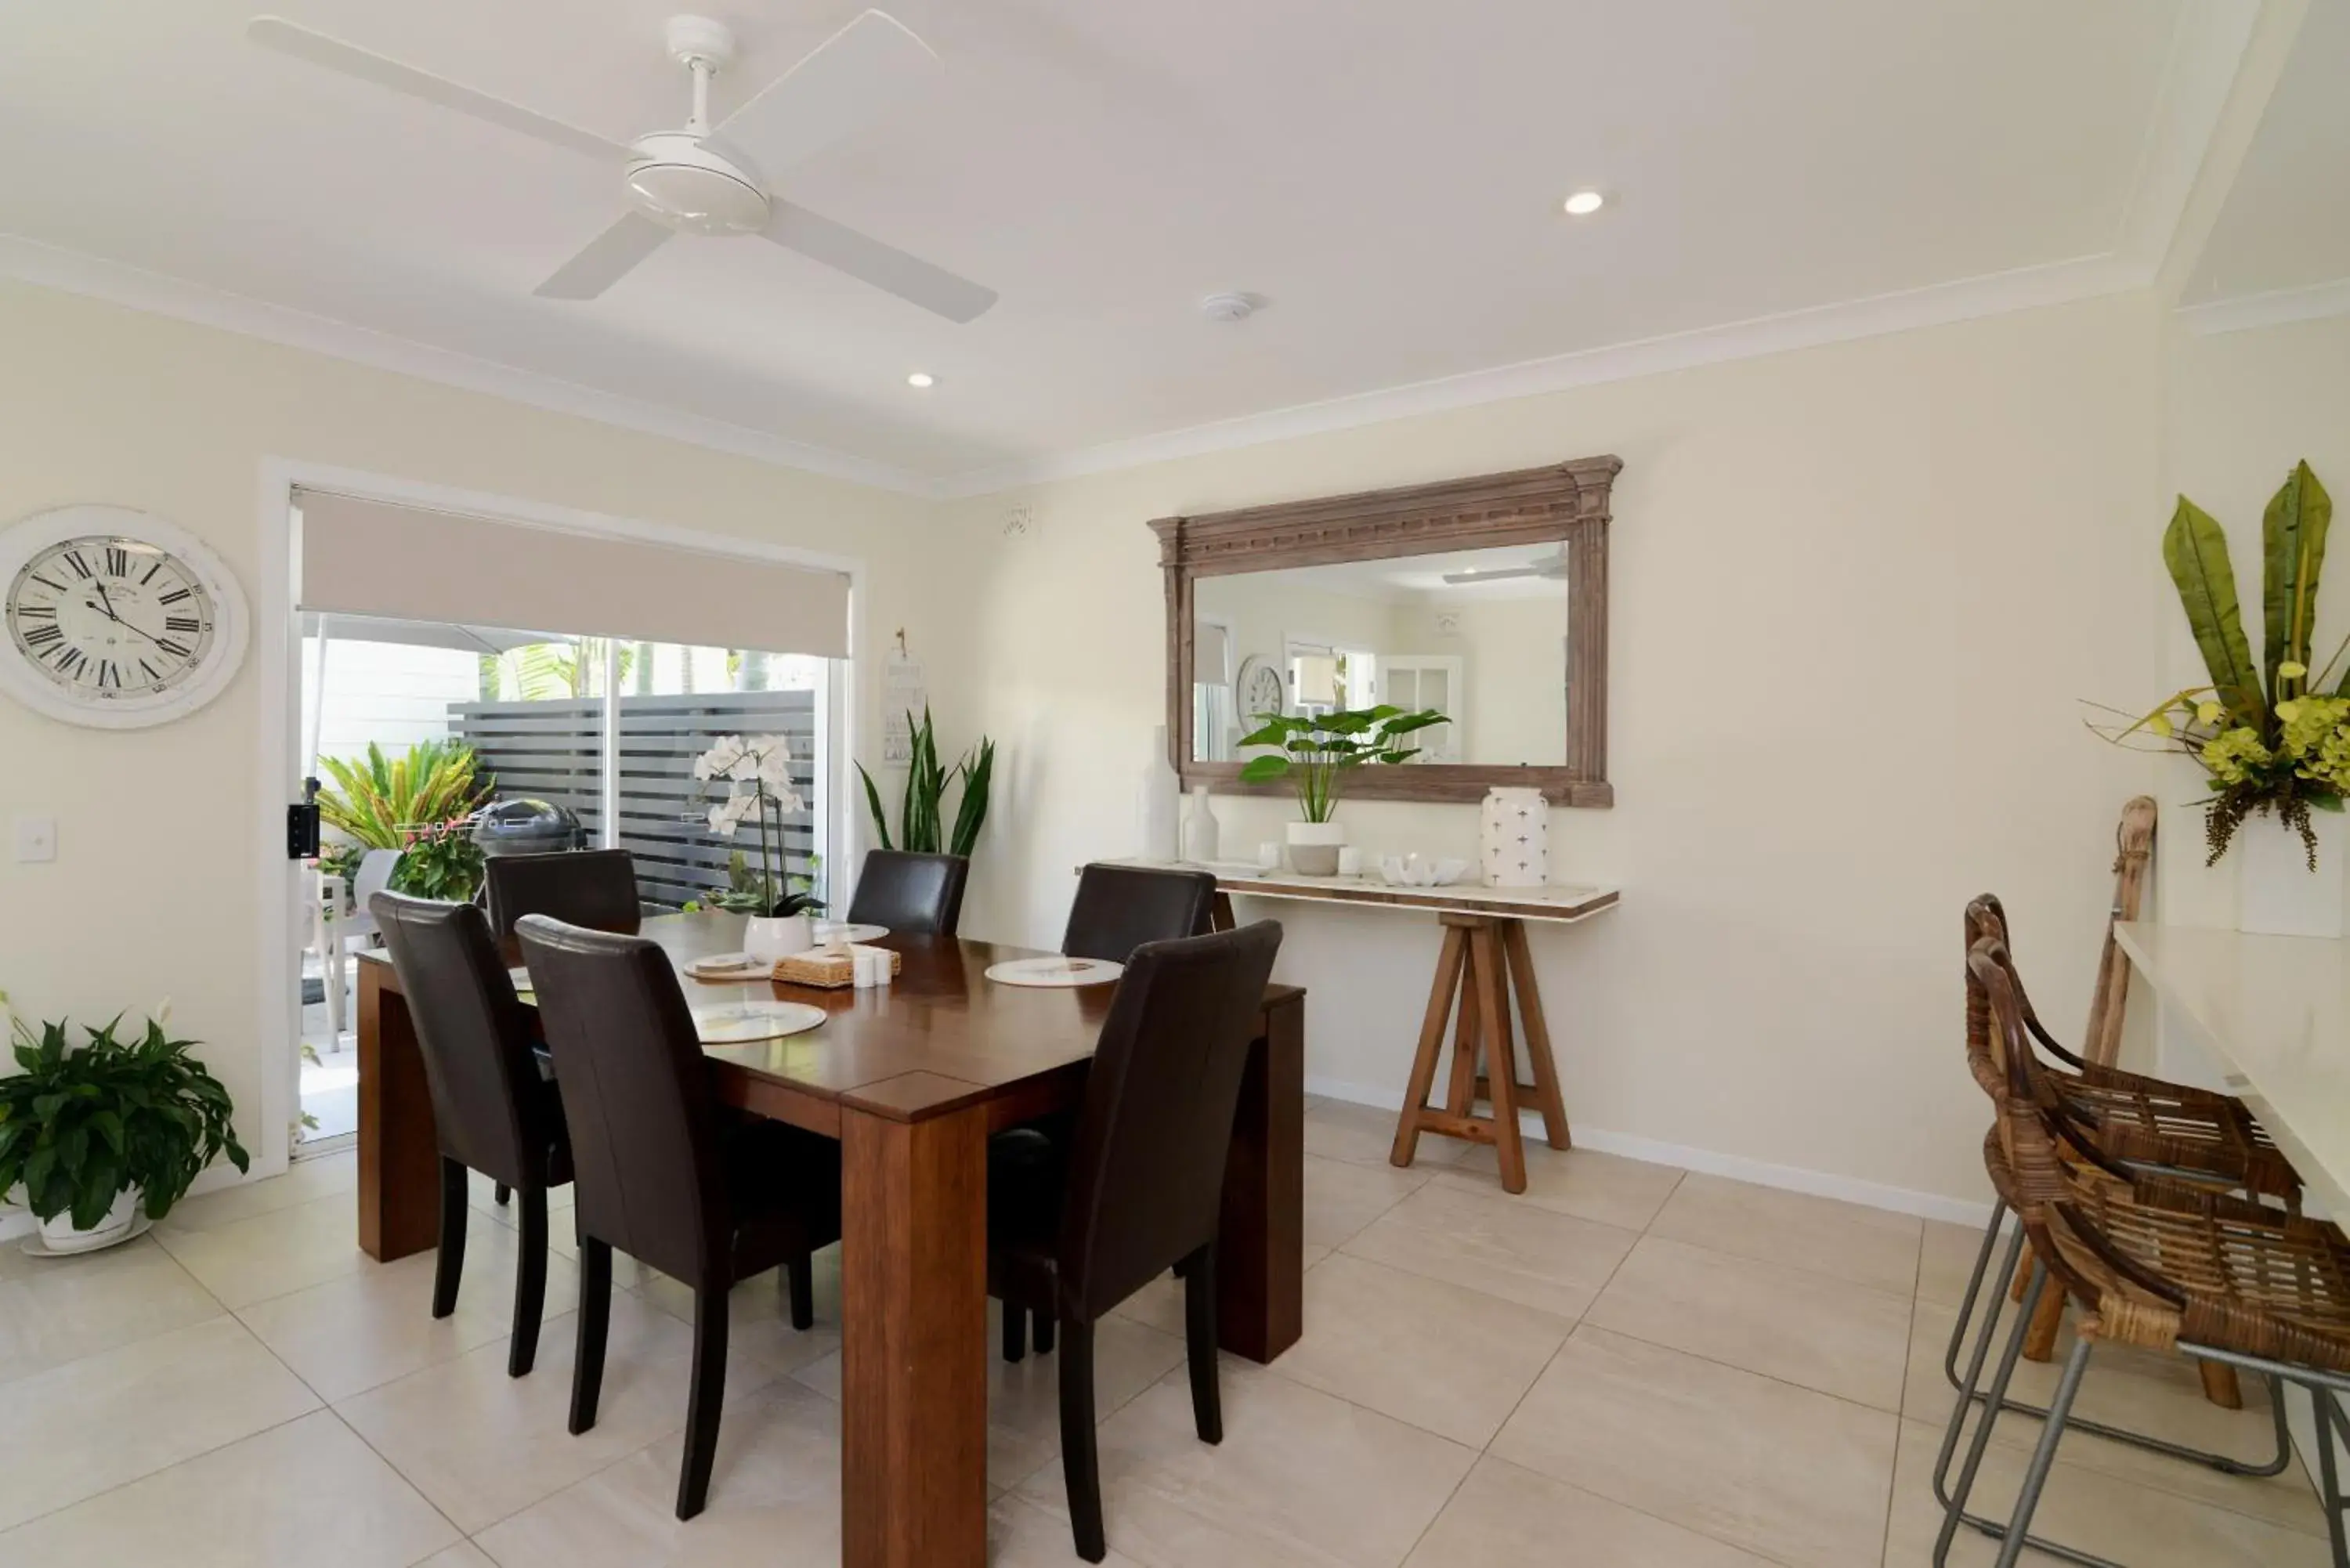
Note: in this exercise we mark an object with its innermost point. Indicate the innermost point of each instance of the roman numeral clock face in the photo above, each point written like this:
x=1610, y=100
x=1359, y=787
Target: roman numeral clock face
x=114, y=627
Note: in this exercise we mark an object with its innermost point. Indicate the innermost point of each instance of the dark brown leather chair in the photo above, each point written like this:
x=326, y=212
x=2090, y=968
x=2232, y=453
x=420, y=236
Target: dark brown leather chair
x=1140, y=1187
x=666, y=1173
x=592, y=888
x=493, y=1109
x=913, y=895
x=1120, y=907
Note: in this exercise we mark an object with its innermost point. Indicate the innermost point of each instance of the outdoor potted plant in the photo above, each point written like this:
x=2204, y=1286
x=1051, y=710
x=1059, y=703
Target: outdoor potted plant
x=94, y=1138
x=756, y=775
x=2273, y=736
x=1316, y=753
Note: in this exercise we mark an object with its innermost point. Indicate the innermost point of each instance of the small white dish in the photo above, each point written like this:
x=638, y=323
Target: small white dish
x=719, y=967
x=1054, y=973
x=747, y=1023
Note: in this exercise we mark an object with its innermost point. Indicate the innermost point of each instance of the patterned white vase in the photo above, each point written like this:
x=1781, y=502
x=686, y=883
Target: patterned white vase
x=1514, y=838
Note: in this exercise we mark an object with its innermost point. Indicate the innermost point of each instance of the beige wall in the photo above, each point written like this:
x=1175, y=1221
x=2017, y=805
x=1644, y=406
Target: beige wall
x=1858, y=592
x=155, y=890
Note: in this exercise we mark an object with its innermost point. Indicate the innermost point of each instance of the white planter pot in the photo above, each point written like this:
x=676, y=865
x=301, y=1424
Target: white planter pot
x=1513, y=838
x=1313, y=847
x=2277, y=894
x=767, y=939
x=60, y=1235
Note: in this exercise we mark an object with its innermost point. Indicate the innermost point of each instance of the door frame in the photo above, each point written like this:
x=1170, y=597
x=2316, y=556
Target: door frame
x=278, y=654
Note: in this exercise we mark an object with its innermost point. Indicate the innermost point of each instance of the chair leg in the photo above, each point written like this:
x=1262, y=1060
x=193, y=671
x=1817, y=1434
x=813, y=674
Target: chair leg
x=1015, y=1334
x=708, y=1400
x=2027, y=1498
x=799, y=1285
x=2329, y=1477
x=1200, y=1345
x=530, y=1286
x=594, y=1326
x=1044, y=1321
x=1080, y=1459
x=502, y=1195
x=1974, y=1289
x=449, y=1267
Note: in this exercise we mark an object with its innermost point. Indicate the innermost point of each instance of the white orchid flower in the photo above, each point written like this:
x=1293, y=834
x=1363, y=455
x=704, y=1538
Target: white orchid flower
x=721, y=822
x=721, y=756
x=775, y=769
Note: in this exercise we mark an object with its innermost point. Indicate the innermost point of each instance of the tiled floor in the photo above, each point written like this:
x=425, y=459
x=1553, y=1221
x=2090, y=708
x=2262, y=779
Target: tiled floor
x=1627, y=1368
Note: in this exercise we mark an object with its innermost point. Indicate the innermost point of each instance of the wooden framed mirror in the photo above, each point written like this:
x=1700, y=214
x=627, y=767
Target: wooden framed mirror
x=1484, y=599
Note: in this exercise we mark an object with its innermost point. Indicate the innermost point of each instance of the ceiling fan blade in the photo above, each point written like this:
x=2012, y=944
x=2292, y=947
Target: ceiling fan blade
x=607, y=259
x=334, y=54
x=886, y=267
x=1496, y=577
x=843, y=84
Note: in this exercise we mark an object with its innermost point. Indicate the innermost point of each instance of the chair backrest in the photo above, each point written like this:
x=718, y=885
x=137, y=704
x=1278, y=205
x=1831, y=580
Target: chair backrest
x=2101, y=1041
x=373, y=875
x=914, y=895
x=1120, y=907
x=1146, y=1167
x=592, y=888
x=488, y=1109
x=636, y=1094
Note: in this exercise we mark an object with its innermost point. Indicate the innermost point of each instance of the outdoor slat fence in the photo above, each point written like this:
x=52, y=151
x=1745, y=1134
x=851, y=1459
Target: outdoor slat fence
x=553, y=752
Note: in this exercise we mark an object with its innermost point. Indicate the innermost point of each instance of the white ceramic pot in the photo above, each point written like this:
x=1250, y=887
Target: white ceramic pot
x=1313, y=847
x=1203, y=834
x=767, y=939
x=1513, y=838
x=59, y=1234
x=2277, y=894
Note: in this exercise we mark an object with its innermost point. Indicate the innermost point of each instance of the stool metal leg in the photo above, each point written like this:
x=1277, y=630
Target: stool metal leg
x=2027, y=1496
x=2329, y=1481
x=1974, y=1288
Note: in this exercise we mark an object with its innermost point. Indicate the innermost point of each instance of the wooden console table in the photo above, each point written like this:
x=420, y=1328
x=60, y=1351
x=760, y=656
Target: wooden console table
x=1484, y=959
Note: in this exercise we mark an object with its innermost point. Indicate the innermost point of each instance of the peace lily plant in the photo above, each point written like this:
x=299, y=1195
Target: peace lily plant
x=2273, y=736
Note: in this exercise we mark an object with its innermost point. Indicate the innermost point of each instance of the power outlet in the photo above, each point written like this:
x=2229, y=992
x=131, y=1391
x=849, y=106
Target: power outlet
x=36, y=840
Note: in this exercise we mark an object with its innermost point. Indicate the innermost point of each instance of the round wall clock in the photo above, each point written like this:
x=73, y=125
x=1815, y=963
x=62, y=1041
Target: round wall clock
x=1260, y=690
x=115, y=619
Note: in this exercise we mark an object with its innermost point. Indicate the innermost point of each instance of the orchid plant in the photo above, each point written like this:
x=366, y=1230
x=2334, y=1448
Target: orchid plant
x=757, y=777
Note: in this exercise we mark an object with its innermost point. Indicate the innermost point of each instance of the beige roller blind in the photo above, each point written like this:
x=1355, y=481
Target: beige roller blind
x=374, y=558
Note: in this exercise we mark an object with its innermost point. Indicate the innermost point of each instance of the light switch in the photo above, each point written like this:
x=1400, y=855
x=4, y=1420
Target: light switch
x=37, y=839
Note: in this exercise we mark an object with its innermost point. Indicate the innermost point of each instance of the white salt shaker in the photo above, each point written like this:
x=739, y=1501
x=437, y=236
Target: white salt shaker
x=862, y=965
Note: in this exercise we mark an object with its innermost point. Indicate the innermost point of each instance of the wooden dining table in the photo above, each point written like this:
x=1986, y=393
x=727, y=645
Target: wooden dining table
x=911, y=1078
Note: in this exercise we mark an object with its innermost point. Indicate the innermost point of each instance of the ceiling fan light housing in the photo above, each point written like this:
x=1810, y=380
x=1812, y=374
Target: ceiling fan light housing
x=680, y=180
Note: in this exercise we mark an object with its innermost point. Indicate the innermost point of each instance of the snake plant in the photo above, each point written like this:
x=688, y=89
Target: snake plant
x=920, y=815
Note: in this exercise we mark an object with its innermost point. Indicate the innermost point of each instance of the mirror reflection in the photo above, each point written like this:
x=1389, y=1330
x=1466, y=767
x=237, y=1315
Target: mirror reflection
x=1477, y=635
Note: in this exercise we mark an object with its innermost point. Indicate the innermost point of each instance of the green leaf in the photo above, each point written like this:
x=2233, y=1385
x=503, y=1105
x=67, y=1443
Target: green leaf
x=873, y=804
x=1264, y=770
x=2293, y=549
x=2196, y=551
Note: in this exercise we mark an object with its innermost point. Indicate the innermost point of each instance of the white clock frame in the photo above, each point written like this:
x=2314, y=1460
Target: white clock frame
x=232, y=616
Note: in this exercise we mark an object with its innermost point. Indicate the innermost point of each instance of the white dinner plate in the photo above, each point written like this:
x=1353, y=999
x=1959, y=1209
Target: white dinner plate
x=743, y=1022
x=830, y=931
x=1054, y=973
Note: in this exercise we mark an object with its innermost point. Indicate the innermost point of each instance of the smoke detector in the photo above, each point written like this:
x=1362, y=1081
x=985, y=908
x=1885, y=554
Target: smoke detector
x=1229, y=307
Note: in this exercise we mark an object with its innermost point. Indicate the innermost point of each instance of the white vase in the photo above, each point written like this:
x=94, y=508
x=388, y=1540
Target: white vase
x=1513, y=838
x=60, y=1235
x=1157, y=799
x=767, y=939
x=1313, y=847
x=2277, y=894
x=1203, y=834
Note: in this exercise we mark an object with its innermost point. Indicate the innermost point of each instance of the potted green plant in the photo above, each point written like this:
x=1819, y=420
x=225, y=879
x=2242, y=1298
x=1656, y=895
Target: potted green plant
x=93, y=1137
x=1314, y=754
x=756, y=775
x=921, y=819
x=441, y=860
x=2271, y=736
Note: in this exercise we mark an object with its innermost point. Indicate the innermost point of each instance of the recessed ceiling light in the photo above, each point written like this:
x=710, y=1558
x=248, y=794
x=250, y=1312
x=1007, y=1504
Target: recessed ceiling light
x=1583, y=204
x=921, y=379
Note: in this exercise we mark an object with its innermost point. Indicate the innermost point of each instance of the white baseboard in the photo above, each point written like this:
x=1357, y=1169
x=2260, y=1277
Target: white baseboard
x=1763, y=1173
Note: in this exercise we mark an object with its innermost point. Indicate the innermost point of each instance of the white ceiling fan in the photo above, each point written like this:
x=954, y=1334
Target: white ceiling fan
x=1553, y=566
x=703, y=179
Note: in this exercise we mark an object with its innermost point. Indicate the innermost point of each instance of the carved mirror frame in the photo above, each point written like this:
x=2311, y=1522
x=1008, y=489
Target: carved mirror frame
x=1564, y=503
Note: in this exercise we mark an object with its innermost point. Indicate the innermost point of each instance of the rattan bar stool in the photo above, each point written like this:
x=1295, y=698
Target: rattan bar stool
x=2151, y=1261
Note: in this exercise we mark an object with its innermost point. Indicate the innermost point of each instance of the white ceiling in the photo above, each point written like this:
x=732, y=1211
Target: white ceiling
x=1386, y=173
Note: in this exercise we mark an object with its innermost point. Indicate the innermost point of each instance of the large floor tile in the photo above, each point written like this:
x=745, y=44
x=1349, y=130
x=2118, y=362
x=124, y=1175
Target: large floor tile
x=1341, y=1199
x=2139, y=1390
x=2138, y=1525
x=1021, y=1536
x=1866, y=1246
x=1503, y=1514
x=774, y=1498
x=1301, y=1478
x=1792, y=1475
x=1364, y=1135
x=464, y=1554
x=1606, y=1187
x=1785, y=1322
x=758, y=1312
x=1946, y=1258
x=1159, y=1304
x=304, y=1181
x=1443, y=1358
x=55, y=1310
x=272, y=1253
x=353, y=1333
x=1490, y=1242
x=309, y=1491
x=482, y=1445
x=77, y=1429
